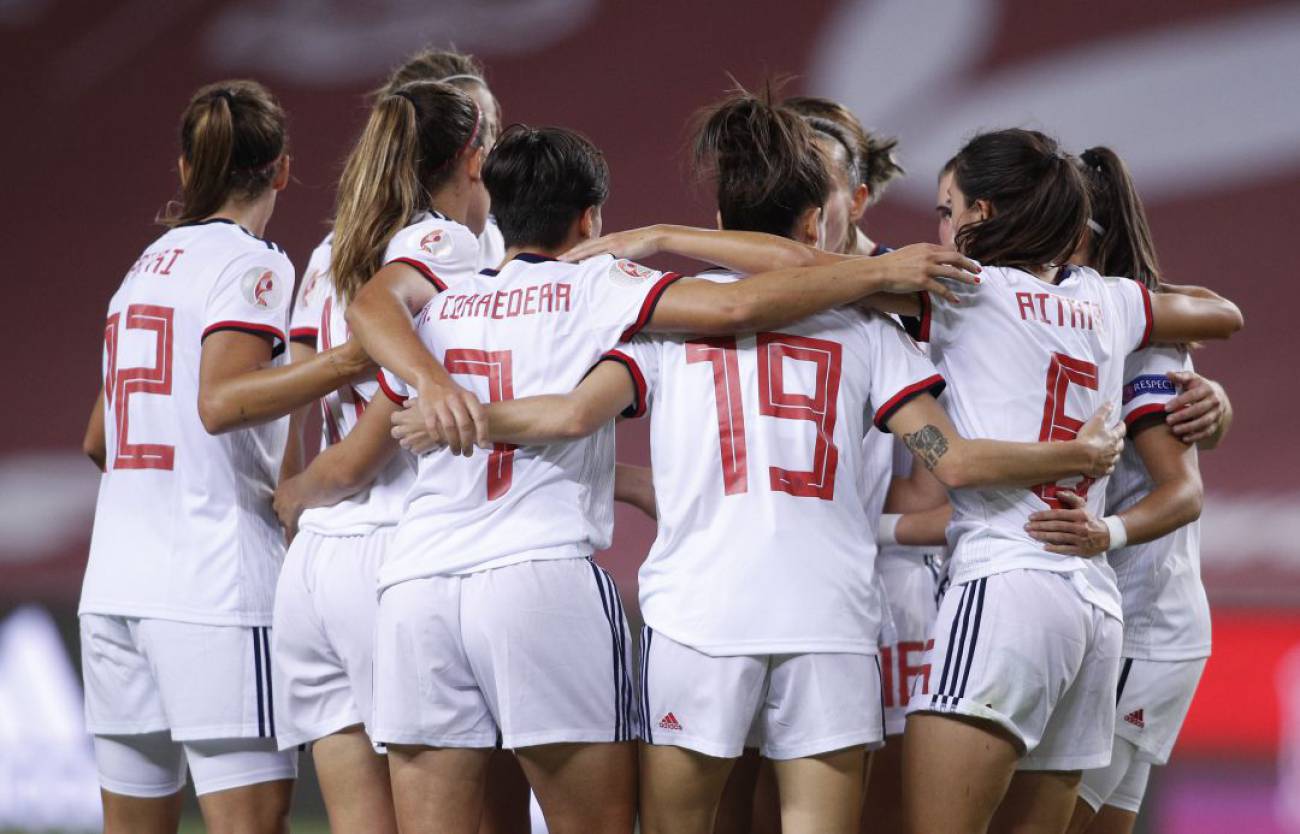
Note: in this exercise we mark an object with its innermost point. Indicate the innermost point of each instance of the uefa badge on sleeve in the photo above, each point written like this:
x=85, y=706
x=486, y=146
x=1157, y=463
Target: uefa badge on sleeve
x=629, y=274
x=262, y=288
x=436, y=244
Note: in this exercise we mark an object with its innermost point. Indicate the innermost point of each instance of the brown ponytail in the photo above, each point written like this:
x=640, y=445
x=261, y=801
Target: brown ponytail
x=232, y=135
x=1039, y=201
x=765, y=161
x=1121, y=242
x=408, y=149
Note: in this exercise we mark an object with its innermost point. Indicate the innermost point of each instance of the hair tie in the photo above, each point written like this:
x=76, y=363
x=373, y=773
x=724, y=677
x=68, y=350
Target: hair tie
x=227, y=95
x=404, y=94
x=1096, y=227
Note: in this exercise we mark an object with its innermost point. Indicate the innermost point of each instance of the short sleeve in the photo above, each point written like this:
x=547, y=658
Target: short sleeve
x=621, y=295
x=641, y=358
x=252, y=295
x=1134, y=312
x=315, y=286
x=389, y=383
x=1147, y=387
x=443, y=252
x=938, y=316
x=900, y=370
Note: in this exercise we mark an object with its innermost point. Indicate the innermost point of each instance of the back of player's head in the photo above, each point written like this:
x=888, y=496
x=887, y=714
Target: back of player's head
x=877, y=165
x=435, y=65
x=408, y=149
x=764, y=160
x=541, y=180
x=1120, y=241
x=233, y=134
x=1038, y=202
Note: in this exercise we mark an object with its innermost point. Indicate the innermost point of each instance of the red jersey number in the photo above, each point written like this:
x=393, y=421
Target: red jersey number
x=1062, y=372
x=496, y=366
x=773, y=349
x=121, y=383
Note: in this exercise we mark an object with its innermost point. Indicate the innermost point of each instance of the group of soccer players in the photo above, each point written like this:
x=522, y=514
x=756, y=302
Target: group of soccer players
x=463, y=341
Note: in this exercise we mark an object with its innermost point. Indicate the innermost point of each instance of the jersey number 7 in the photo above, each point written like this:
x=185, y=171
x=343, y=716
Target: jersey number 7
x=496, y=366
x=775, y=401
x=121, y=383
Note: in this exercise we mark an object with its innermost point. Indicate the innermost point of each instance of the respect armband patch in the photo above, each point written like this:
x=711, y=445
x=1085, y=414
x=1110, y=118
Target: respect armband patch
x=1149, y=385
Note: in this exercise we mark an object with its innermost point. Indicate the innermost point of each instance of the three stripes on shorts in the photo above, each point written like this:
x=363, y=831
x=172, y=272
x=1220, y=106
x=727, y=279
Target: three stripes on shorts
x=625, y=706
x=962, y=640
x=262, y=672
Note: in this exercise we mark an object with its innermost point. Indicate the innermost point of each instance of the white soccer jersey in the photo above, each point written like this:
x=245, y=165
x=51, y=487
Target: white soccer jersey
x=537, y=327
x=447, y=253
x=756, y=444
x=184, y=528
x=313, y=289
x=1166, y=614
x=1030, y=361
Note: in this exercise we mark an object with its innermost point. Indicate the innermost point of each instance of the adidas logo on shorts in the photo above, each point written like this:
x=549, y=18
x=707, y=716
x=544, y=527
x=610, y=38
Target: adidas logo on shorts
x=669, y=722
x=1135, y=718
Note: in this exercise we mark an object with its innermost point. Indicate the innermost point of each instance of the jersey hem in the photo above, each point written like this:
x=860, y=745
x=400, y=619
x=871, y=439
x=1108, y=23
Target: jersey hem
x=110, y=609
x=732, y=648
x=548, y=554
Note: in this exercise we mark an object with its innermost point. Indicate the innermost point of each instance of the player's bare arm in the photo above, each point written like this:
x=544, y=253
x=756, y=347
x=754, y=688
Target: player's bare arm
x=959, y=462
x=342, y=470
x=926, y=528
x=777, y=298
x=94, y=443
x=302, y=422
x=1174, y=501
x=548, y=418
x=238, y=387
x=379, y=318
x=635, y=485
x=1191, y=314
x=1201, y=413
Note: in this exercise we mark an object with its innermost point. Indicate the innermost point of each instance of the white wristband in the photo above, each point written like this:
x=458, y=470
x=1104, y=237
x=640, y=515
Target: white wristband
x=887, y=529
x=1118, y=533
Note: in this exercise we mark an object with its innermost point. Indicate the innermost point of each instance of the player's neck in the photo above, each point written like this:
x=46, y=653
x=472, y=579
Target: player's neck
x=253, y=215
x=515, y=251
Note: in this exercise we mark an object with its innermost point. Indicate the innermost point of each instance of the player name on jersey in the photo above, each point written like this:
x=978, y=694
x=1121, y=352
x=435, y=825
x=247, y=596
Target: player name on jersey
x=550, y=297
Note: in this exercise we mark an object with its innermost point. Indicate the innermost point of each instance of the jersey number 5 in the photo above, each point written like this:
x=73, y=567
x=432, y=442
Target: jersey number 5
x=775, y=401
x=1062, y=372
x=495, y=365
x=121, y=383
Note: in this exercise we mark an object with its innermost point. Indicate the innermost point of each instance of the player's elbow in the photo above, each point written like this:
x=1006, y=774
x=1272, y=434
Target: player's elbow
x=955, y=470
x=736, y=315
x=94, y=449
x=1191, y=500
x=577, y=420
x=216, y=413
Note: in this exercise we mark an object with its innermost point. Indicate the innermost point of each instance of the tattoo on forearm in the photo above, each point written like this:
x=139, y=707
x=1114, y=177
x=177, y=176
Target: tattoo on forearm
x=928, y=444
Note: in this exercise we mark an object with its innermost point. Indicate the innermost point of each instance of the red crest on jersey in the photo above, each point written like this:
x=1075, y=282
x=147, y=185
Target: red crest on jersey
x=429, y=241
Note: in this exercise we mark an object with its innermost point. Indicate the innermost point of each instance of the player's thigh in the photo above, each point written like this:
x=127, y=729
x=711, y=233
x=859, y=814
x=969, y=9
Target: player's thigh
x=822, y=793
x=548, y=646
x=680, y=788
x=1037, y=802
x=354, y=783
x=882, y=807
x=243, y=785
x=141, y=778
x=972, y=759
x=584, y=787
x=737, y=805
x=438, y=789
x=507, y=802
x=1112, y=820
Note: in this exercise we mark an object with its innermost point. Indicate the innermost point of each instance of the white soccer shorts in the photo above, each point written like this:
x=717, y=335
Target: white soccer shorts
x=1121, y=784
x=162, y=692
x=1026, y=651
x=910, y=576
x=788, y=706
x=1154, y=697
x=527, y=654
x=322, y=636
